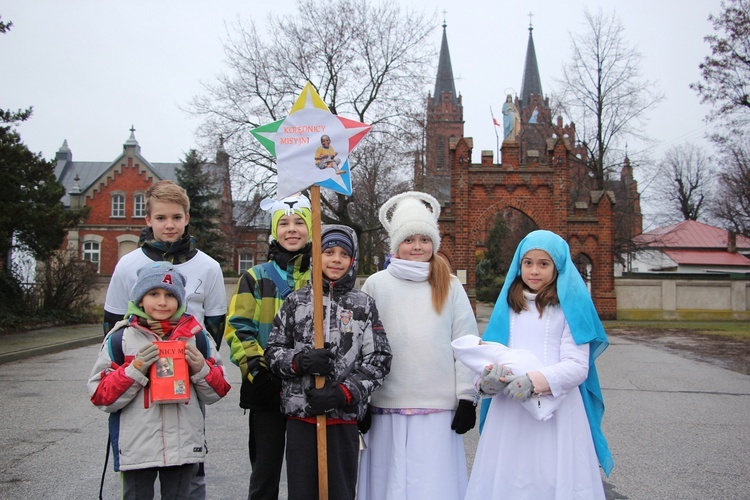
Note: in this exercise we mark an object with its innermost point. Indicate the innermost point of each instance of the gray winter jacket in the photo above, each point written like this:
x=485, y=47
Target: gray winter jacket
x=353, y=329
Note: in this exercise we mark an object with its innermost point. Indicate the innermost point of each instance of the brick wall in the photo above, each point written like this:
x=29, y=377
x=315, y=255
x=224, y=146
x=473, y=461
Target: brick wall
x=541, y=192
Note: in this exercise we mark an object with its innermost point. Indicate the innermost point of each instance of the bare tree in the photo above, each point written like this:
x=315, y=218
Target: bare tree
x=377, y=178
x=367, y=60
x=683, y=184
x=732, y=206
x=726, y=72
x=726, y=86
x=602, y=91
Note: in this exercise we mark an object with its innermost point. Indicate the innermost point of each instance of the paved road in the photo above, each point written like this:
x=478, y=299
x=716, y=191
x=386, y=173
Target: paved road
x=678, y=429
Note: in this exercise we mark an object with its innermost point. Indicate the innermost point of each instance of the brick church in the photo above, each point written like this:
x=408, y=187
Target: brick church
x=539, y=182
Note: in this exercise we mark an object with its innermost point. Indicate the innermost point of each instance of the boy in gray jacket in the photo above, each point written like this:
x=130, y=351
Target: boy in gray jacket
x=150, y=440
x=354, y=362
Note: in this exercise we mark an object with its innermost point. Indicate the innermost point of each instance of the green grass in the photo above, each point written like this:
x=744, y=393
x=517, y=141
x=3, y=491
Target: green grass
x=737, y=330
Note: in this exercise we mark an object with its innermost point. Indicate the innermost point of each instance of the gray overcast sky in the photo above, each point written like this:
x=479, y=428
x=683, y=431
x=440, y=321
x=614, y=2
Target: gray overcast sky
x=91, y=68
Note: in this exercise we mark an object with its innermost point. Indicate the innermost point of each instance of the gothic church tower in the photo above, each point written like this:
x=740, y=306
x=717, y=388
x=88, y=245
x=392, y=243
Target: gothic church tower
x=536, y=116
x=445, y=120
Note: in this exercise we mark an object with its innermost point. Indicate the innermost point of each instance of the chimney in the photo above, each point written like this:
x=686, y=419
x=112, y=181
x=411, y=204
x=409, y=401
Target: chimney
x=76, y=200
x=731, y=241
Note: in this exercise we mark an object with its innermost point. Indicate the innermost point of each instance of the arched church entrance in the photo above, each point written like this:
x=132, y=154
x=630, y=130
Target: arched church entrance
x=493, y=206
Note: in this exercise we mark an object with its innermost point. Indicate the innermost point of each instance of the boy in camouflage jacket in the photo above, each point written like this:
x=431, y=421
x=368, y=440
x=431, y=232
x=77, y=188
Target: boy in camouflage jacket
x=355, y=360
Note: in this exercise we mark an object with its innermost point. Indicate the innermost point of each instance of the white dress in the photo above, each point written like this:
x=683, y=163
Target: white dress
x=519, y=457
x=418, y=456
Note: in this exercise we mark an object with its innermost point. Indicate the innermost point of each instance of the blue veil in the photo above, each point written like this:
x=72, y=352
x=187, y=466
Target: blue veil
x=581, y=315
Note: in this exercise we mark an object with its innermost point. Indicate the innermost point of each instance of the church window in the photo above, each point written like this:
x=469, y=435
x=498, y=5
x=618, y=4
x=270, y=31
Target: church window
x=440, y=160
x=584, y=265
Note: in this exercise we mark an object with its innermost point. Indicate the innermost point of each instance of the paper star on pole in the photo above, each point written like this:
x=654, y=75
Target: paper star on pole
x=311, y=146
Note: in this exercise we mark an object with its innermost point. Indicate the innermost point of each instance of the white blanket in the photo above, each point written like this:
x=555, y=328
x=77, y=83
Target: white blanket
x=476, y=355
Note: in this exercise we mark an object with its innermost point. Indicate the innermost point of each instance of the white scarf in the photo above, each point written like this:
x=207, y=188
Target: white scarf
x=409, y=269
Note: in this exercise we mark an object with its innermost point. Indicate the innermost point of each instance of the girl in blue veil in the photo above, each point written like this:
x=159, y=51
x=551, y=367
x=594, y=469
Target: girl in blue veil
x=556, y=319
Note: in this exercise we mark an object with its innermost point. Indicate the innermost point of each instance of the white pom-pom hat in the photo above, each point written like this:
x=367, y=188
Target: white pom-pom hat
x=411, y=213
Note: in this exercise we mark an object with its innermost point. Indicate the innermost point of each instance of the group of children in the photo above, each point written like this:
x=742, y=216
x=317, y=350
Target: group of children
x=390, y=373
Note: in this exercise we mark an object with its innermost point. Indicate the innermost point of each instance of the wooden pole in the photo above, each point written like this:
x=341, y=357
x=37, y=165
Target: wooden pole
x=317, y=288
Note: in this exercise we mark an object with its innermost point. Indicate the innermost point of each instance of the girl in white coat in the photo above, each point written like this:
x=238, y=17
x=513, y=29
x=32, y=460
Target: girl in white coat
x=415, y=446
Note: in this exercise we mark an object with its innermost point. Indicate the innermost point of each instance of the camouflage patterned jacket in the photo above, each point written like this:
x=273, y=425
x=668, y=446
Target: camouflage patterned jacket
x=251, y=312
x=352, y=327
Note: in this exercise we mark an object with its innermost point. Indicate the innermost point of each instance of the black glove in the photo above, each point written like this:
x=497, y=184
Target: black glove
x=263, y=393
x=465, y=418
x=314, y=361
x=364, y=424
x=327, y=398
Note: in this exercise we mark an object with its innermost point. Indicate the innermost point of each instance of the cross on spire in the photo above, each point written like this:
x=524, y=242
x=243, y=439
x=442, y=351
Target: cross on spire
x=531, y=27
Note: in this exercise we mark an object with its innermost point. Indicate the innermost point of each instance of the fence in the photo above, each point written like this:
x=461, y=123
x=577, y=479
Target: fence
x=697, y=298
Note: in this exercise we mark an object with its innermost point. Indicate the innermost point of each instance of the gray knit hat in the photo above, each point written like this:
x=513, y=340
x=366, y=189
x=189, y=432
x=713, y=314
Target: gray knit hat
x=159, y=275
x=411, y=213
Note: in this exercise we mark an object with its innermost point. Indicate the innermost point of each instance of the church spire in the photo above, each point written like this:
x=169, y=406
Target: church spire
x=444, y=81
x=445, y=121
x=531, y=84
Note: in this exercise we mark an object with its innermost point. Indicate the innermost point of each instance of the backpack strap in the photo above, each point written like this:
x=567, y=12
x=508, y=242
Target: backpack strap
x=281, y=285
x=115, y=346
x=104, y=472
x=201, y=342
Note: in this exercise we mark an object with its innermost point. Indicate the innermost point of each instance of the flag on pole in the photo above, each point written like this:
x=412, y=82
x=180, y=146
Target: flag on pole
x=497, y=137
x=311, y=146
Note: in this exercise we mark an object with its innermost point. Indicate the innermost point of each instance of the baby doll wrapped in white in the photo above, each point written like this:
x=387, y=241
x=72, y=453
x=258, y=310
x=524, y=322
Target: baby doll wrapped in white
x=476, y=355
